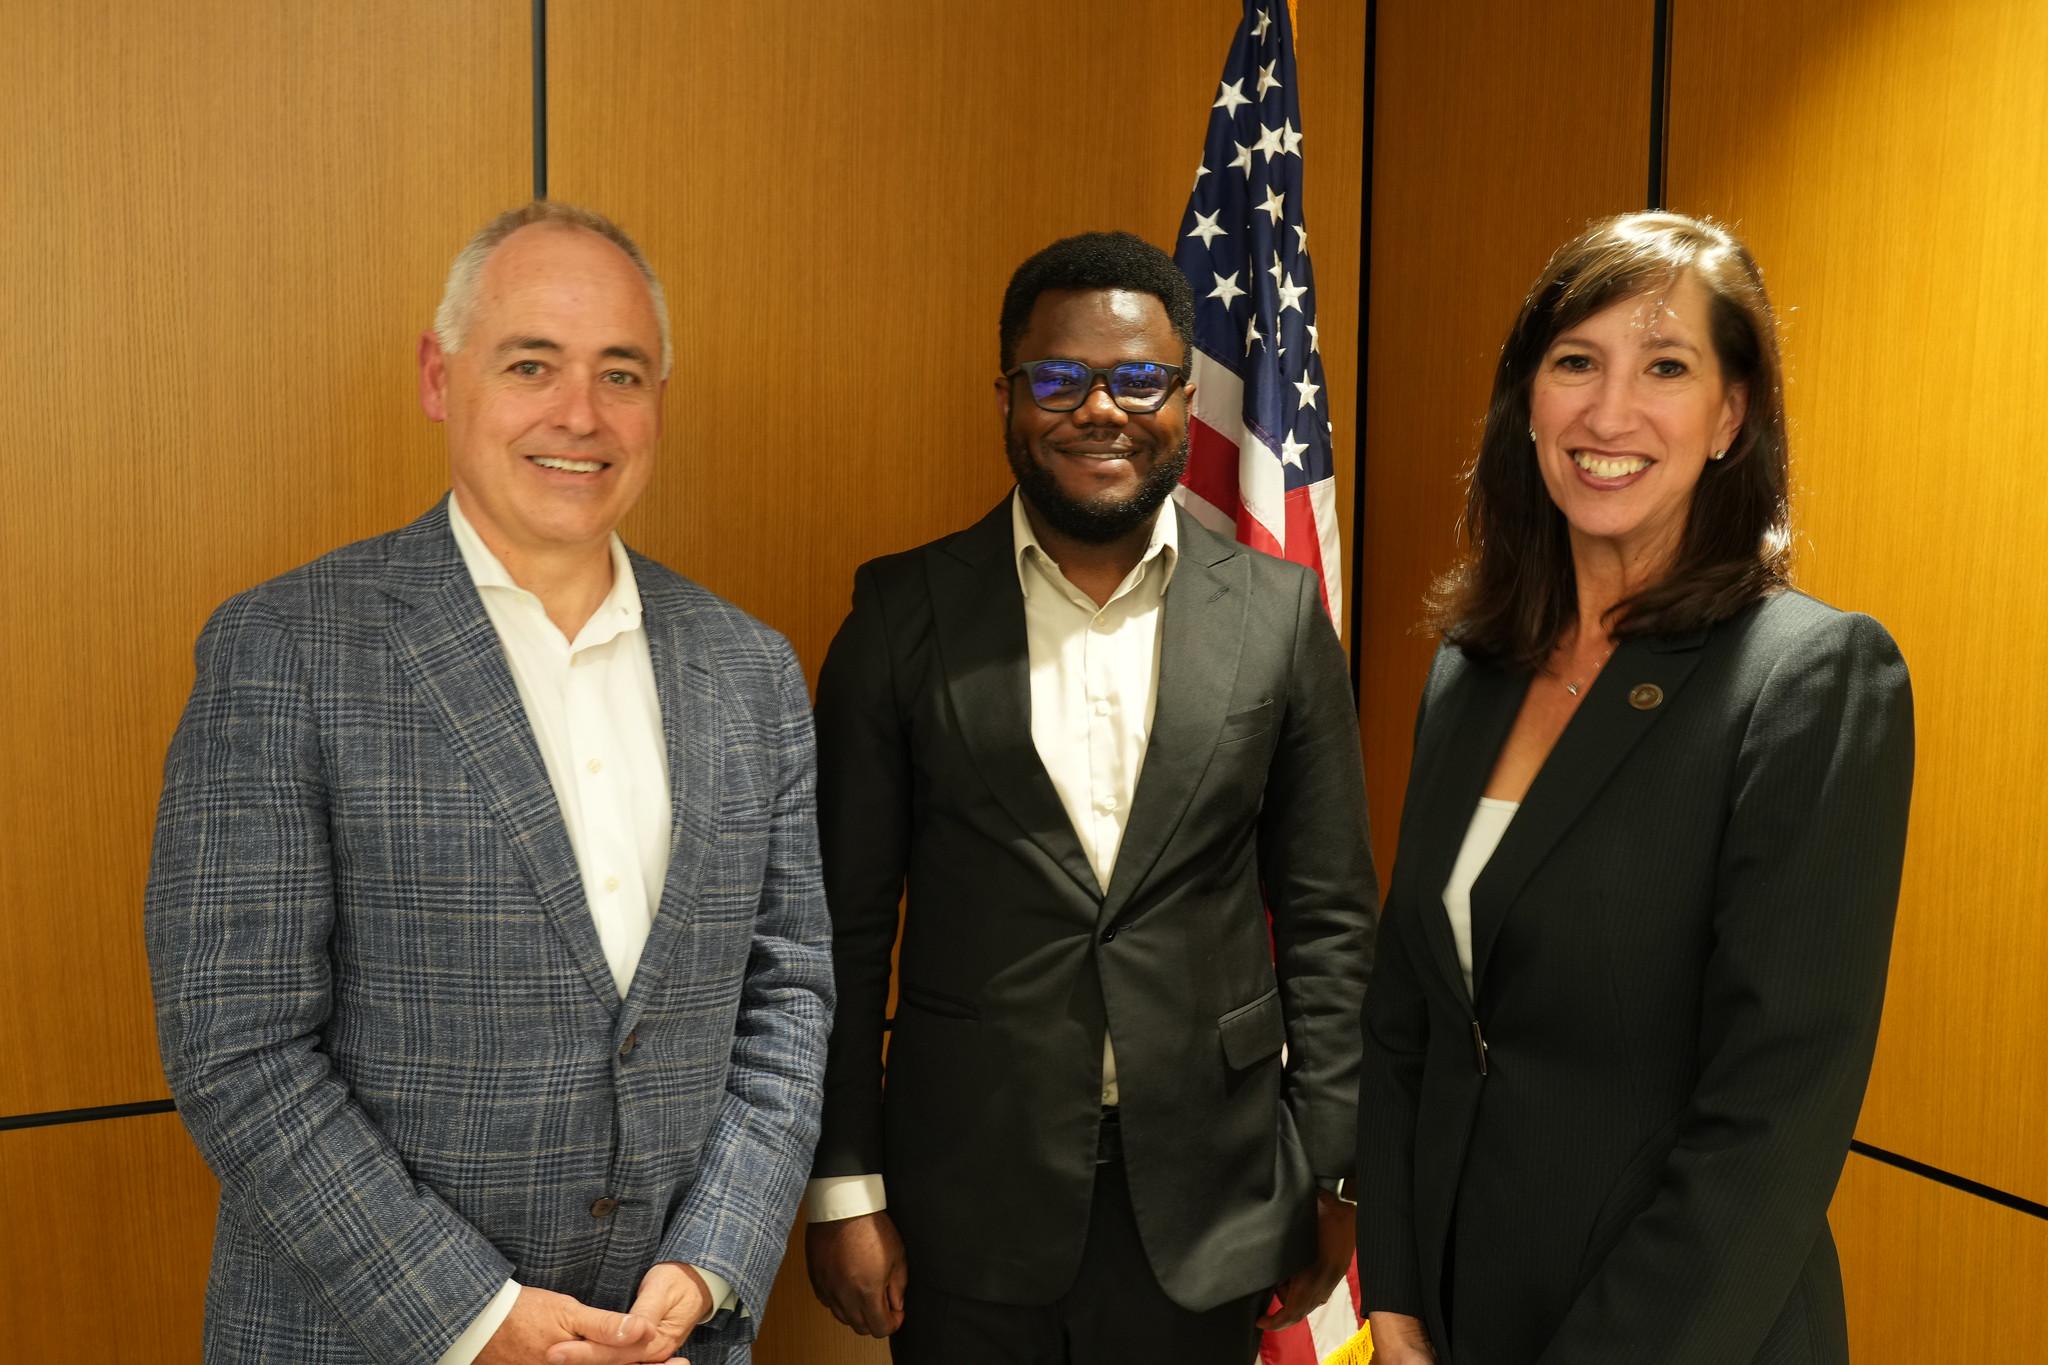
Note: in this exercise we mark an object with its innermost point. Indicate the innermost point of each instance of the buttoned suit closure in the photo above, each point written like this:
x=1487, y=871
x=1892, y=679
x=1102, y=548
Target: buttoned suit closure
x=1014, y=960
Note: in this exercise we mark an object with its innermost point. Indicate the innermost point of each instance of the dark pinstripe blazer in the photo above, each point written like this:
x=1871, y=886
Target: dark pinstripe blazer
x=382, y=1005
x=1679, y=954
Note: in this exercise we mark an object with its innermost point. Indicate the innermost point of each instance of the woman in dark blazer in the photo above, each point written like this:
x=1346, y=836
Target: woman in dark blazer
x=1634, y=949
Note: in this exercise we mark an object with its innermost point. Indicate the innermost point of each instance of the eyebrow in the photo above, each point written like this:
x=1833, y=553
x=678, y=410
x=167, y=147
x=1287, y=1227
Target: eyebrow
x=512, y=345
x=1652, y=341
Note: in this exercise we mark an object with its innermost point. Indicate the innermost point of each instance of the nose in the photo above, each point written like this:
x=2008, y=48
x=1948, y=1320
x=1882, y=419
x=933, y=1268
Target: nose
x=575, y=412
x=1099, y=409
x=1611, y=408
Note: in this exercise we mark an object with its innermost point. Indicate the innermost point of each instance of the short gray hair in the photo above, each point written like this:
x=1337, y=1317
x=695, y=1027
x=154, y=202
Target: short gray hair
x=458, y=296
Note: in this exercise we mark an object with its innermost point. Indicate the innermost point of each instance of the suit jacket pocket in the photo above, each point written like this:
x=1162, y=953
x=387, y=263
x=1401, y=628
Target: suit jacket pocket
x=932, y=1002
x=1251, y=1033
x=1249, y=723
x=1633, y=1189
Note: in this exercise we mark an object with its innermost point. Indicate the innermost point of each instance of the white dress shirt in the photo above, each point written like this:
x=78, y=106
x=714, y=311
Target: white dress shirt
x=596, y=716
x=1094, y=686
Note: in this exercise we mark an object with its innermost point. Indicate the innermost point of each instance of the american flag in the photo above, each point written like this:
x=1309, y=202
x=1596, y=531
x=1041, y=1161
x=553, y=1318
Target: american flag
x=1259, y=465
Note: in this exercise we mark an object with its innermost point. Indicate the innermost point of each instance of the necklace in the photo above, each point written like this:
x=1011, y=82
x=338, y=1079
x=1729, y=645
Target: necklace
x=1575, y=688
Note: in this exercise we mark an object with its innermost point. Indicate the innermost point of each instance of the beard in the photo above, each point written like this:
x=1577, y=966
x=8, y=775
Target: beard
x=1094, y=521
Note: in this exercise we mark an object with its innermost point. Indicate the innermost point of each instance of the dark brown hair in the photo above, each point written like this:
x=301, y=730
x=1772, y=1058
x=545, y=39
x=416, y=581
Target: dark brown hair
x=1513, y=596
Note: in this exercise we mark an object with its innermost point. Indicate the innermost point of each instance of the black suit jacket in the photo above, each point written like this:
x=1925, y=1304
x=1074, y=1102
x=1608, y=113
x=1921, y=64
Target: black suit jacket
x=1014, y=961
x=1679, y=953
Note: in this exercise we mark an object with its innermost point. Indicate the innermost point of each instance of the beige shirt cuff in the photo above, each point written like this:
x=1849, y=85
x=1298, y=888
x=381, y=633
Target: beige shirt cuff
x=720, y=1290
x=833, y=1197
x=482, y=1327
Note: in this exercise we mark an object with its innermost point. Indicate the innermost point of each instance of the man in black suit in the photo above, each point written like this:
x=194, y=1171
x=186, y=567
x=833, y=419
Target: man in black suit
x=1095, y=743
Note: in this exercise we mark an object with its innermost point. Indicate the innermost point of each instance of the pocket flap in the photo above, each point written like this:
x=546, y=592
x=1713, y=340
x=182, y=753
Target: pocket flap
x=1249, y=723
x=1254, y=1032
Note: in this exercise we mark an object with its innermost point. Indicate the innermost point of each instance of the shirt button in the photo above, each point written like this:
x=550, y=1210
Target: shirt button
x=1101, y=706
x=1106, y=804
x=595, y=765
x=611, y=883
x=604, y=1208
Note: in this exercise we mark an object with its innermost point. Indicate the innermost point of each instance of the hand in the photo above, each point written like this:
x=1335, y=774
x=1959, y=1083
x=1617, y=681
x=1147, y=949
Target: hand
x=857, y=1271
x=541, y=1319
x=1305, y=1290
x=673, y=1300
x=1398, y=1339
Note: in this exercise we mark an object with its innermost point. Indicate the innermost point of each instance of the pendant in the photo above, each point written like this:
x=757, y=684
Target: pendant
x=1572, y=688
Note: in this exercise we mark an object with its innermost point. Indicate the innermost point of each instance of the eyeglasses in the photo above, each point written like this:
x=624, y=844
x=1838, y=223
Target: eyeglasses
x=1134, y=386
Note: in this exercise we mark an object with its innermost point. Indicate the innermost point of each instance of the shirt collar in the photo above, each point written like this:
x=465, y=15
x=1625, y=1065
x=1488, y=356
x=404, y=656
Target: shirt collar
x=1164, y=547
x=618, y=613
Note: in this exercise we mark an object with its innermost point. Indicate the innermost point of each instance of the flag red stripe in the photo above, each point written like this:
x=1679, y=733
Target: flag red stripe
x=1292, y=1347
x=1213, y=473
x=1304, y=541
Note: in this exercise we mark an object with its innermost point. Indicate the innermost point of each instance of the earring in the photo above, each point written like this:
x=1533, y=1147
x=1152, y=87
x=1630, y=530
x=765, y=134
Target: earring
x=1532, y=436
x=1717, y=455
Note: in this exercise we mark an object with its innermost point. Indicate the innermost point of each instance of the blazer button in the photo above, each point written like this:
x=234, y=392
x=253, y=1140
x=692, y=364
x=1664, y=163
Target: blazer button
x=1108, y=935
x=604, y=1208
x=1646, y=696
x=631, y=1041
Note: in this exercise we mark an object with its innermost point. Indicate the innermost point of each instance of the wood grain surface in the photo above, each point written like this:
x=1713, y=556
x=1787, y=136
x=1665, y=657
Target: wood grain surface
x=1500, y=130
x=109, y=1229
x=836, y=196
x=226, y=225
x=1888, y=163
x=1932, y=1273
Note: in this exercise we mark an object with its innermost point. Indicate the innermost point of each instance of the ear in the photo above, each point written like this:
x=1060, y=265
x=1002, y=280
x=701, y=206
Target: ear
x=1003, y=391
x=433, y=378
x=1734, y=408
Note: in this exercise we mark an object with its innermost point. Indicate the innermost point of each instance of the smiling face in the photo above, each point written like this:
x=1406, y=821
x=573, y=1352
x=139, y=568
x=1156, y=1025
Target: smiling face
x=1627, y=407
x=553, y=404
x=1096, y=473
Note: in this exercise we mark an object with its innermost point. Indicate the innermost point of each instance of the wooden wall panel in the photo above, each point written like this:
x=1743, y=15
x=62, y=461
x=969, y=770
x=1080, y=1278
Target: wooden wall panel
x=836, y=196
x=108, y=1230
x=1932, y=1271
x=1498, y=132
x=226, y=224
x=1889, y=165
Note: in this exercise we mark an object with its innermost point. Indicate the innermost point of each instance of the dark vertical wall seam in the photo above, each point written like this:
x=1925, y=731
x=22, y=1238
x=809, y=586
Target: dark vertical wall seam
x=1372, y=28
x=540, y=99
x=1660, y=99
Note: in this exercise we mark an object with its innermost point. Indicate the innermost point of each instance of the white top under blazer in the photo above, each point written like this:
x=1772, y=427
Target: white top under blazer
x=1482, y=837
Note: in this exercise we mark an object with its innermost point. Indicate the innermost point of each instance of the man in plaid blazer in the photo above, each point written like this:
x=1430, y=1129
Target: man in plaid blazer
x=485, y=921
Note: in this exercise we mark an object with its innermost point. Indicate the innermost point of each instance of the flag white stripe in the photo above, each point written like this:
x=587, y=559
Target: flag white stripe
x=1261, y=481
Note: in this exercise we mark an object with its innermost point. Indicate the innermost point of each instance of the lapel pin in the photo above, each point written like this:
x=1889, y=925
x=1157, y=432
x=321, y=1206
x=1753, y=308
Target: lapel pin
x=1646, y=696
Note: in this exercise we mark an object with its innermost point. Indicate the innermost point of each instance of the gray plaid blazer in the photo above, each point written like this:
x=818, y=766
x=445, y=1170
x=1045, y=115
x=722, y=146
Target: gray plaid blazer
x=381, y=1001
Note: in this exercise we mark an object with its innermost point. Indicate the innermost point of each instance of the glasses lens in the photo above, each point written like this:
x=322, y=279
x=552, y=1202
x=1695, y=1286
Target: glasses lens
x=1140, y=386
x=1058, y=385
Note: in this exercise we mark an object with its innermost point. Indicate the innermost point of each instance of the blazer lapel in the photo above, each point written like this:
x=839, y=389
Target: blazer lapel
x=1631, y=695
x=978, y=612
x=1469, y=720
x=1201, y=641
x=451, y=653
x=692, y=726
